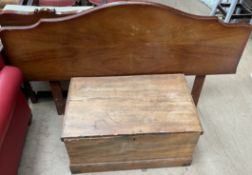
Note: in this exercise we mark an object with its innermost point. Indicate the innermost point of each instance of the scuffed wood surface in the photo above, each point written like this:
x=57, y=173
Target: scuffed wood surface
x=129, y=122
x=131, y=148
x=131, y=152
x=102, y=106
x=112, y=40
x=126, y=165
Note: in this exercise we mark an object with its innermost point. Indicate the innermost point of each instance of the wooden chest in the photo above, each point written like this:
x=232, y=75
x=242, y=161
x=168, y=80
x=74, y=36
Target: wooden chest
x=129, y=122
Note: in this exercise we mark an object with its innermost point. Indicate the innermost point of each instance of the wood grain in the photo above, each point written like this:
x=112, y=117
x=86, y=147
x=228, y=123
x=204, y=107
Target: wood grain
x=111, y=166
x=131, y=147
x=112, y=40
x=225, y=106
x=15, y=18
x=130, y=152
x=129, y=105
x=127, y=122
x=197, y=87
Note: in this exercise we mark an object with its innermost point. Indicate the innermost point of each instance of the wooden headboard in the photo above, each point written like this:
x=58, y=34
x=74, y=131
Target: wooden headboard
x=16, y=18
x=125, y=38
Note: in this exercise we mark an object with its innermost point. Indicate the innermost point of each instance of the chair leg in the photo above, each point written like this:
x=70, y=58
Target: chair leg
x=58, y=96
x=30, y=93
x=197, y=87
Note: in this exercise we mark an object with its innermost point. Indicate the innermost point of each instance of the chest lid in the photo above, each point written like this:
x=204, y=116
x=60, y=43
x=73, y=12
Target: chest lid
x=128, y=105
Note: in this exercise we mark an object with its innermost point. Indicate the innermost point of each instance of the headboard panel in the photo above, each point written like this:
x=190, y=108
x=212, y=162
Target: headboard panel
x=125, y=38
x=16, y=18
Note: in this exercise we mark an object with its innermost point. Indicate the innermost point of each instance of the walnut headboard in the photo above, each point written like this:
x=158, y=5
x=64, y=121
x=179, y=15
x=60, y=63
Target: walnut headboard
x=125, y=38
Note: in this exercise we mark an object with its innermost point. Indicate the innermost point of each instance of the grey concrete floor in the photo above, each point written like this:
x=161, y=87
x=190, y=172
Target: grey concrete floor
x=225, y=109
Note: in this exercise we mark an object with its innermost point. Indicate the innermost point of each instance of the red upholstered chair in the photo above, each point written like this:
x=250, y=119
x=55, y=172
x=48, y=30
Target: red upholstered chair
x=14, y=118
x=56, y=2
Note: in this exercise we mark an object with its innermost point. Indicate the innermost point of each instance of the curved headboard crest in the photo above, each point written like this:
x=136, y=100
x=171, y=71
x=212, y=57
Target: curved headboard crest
x=125, y=38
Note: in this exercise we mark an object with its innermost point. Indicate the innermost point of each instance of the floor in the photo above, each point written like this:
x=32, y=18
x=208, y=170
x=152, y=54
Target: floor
x=225, y=108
